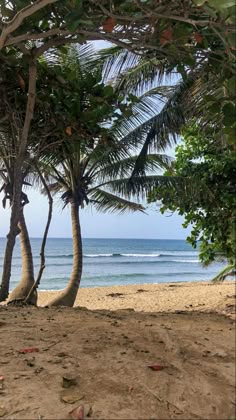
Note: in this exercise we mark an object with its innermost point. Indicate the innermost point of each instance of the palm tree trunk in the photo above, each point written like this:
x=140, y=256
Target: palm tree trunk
x=44, y=240
x=229, y=270
x=17, y=182
x=68, y=295
x=27, y=277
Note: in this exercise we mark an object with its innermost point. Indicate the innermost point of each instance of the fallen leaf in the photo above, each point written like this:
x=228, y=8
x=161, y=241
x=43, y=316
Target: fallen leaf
x=71, y=397
x=156, y=367
x=68, y=380
x=81, y=412
x=77, y=413
x=29, y=350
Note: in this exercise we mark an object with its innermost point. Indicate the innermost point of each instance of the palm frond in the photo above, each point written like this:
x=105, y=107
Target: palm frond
x=228, y=271
x=115, y=60
x=160, y=130
x=131, y=73
x=124, y=168
x=107, y=152
x=139, y=186
x=147, y=74
x=105, y=201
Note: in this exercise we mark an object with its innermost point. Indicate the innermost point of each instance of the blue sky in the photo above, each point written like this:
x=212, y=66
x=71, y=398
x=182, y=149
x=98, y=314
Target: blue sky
x=96, y=225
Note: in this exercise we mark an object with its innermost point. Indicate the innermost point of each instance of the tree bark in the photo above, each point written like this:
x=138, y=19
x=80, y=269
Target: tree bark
x=17, y=182
x=68, y=295
x=42, y=250
x=27, y=277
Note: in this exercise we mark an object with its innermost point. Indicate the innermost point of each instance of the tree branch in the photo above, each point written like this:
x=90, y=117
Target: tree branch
x=35, y=37
x=27, y=11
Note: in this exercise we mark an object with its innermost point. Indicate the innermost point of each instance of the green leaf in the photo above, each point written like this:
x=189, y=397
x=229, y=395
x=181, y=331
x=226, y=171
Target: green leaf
x=231, y=85
x=214, y=108
x=221, y=4
x=231, y=40
x=108, y=91
x=229, y=114
x=199, y=2
x=72, y=26
x=230, y=133
x=86, y=22
x=210, y=98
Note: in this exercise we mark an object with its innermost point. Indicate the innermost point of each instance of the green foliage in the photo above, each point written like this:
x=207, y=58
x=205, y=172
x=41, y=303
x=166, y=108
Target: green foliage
x=182, y=33
x=84, y=159
x=205, y=192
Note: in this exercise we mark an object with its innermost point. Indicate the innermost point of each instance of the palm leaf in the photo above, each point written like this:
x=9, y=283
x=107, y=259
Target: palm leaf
x=130, y=72
x=138, y=186
x=151, y=163
x=105, y=201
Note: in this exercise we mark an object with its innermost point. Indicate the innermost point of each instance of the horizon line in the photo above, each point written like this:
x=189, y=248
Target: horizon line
x=70, y=237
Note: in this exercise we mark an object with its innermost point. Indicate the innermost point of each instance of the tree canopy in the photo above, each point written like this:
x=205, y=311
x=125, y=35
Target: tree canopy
x=201, y=187
x=185, y=32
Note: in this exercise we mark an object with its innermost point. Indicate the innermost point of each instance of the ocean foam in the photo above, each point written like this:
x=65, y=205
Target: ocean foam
x=186, y=261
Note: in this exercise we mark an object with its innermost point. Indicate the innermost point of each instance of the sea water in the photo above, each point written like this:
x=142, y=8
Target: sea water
x=108, y=262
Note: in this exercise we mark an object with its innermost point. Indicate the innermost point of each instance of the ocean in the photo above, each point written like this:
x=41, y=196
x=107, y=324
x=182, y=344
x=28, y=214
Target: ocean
x=109, y=262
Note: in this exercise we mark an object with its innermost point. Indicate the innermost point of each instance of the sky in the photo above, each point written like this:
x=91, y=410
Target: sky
x=96, y=225
x=152, y=225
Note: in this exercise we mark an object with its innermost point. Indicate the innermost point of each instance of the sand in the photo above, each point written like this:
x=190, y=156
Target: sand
x=166, y=297
x=106, y=353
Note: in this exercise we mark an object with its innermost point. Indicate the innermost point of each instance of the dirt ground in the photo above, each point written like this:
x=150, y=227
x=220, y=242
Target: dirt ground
x=104, y=358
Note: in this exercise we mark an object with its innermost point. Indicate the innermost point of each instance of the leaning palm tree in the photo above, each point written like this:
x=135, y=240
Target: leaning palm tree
x=89, y=160
x=92, y=164
x=97, y=176
x=7, y=153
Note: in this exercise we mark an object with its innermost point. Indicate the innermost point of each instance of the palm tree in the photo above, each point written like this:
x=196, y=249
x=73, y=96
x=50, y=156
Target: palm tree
x=25, y=291
x=99, y=177
x=7, y=153
x=27, y=277
x=92, y=164
x=89, y=123
x=200, y=94
x=162, y=109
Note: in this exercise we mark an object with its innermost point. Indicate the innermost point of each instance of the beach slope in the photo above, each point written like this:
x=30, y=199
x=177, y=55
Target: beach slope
x=108, y=357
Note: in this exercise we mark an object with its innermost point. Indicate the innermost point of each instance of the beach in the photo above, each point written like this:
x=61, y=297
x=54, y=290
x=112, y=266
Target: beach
x=168, y=297
x=128, y=352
